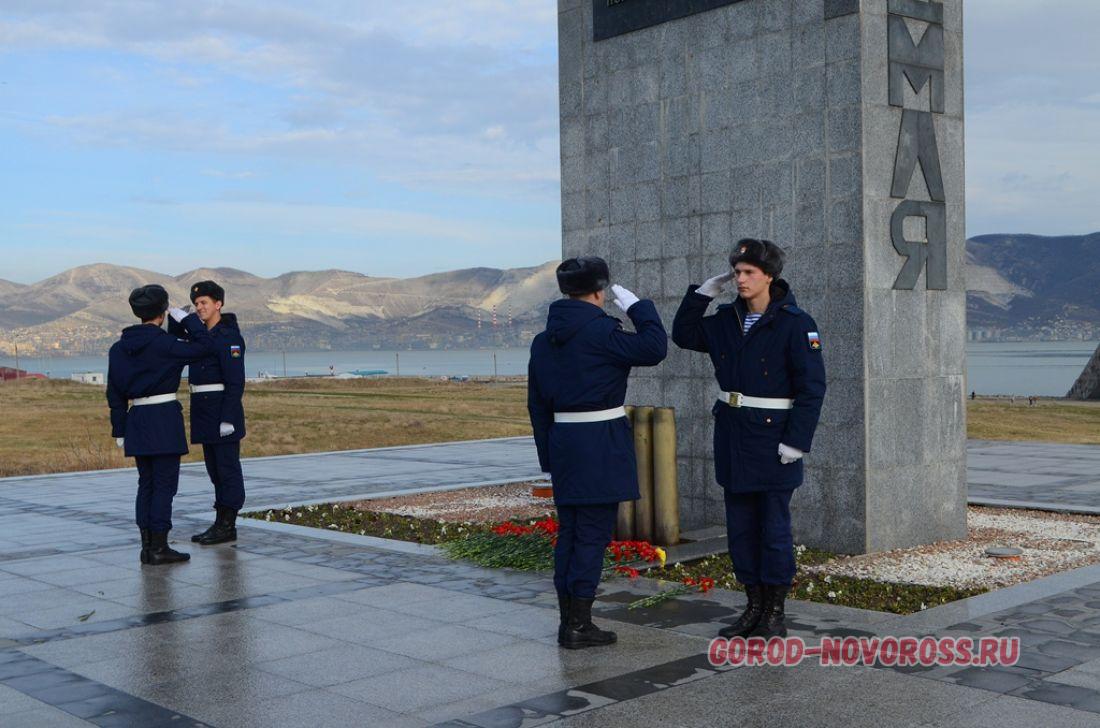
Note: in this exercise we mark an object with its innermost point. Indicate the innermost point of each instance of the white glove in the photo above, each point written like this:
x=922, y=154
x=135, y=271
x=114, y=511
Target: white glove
x=177, y=314
x=788, y=454
x=225, y=429
x=624, y=299
x=120, y=441
x=714, y=286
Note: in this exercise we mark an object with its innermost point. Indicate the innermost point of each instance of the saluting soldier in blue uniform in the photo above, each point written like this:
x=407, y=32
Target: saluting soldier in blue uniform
x=767, y=359
x=217, y=415
x=577, y=379
x=144, y=369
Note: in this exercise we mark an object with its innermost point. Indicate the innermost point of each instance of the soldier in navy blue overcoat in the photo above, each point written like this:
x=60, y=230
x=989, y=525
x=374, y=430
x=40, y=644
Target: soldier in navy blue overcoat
x=217, y=415
x=577, y=379
x=143, y=375
x=766, y=353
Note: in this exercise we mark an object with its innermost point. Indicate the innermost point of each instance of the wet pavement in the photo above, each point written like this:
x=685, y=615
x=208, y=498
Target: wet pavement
x=295, y=627
x=1042, y=475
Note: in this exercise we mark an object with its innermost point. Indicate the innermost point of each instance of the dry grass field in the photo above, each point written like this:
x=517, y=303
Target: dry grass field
x=60, y=426
x=1049, y=420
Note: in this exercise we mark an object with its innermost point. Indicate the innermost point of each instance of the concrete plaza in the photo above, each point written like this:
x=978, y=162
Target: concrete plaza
x=297, y=627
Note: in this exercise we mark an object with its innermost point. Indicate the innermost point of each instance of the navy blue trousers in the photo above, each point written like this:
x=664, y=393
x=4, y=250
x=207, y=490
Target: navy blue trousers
x=223, y=465
x=758, y=531
x=583, y=535
x=158, y=479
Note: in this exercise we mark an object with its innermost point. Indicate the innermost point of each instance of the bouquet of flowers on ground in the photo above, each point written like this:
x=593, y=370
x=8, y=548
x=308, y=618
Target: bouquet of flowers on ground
x=623, y=557
x=530, y=546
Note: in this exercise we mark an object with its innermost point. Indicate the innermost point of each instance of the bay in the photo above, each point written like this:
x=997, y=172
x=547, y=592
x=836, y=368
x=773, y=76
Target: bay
x=1041, y=368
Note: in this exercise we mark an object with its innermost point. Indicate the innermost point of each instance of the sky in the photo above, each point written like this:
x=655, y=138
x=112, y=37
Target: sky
x=402, y=139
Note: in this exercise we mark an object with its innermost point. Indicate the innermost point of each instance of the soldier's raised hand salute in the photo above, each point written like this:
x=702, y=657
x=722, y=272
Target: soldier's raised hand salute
x=624, y=299
x=766, y=353
x=217, y=413
x=713, y=287
x=143, y=376
x=576, y=386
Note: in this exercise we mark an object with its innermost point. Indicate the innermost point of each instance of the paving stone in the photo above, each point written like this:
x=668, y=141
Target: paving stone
x=440, y=642
x=411, y=690
x=311, y=709
x=1011, y=712
x=13, y=701
x=44, y=716
x=338, y=665
x=282, y=615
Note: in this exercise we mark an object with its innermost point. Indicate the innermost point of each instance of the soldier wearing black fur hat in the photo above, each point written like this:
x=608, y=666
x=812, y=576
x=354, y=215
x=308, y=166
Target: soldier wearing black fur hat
x=217, y=415
x=576, y=386
x=143, y=375
x=766, y=353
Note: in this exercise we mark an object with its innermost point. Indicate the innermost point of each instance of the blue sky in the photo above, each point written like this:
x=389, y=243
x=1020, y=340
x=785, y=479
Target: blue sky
x=405, y=138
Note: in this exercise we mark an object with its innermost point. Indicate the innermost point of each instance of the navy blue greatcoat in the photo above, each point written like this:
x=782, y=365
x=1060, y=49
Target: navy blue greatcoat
x=147, y=361
x=781, y=358
x=224, y=365
x=581, y=363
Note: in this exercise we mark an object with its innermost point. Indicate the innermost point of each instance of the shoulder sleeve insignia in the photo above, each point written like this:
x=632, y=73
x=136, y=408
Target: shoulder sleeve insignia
x=235, y=351
x=815, y=340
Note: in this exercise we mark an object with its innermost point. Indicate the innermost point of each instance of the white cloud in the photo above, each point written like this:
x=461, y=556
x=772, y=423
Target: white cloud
x=1033, y=127
x=388, y=85
x=372, y=240
x=334, y=221
x=1033, y=168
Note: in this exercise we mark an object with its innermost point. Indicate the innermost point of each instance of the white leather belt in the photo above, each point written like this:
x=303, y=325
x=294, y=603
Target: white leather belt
x=155, y=399
x=599, y=416
x=200, y=388
x=736, y=399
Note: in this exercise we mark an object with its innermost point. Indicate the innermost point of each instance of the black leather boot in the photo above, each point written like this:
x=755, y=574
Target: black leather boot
x=146, y=540
x=749, y=618
x=580, y=632
x=772, y=622
x=160, y=553
x=195, y=538
x=224, y=529
x=563, y=611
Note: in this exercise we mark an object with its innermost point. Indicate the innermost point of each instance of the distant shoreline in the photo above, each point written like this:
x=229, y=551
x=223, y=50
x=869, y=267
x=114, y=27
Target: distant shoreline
x=1046, y=369
x=4, y=358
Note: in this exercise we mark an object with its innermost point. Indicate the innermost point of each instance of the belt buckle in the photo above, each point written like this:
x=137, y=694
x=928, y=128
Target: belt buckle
x=735, y=399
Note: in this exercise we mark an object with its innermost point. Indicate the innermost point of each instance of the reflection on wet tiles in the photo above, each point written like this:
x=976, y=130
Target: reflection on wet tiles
x=202, y=610
x=86, y=699
x=557, y=705
x=1060, y=631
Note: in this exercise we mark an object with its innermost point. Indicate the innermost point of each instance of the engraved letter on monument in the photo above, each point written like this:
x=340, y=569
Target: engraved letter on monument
x=918, y=64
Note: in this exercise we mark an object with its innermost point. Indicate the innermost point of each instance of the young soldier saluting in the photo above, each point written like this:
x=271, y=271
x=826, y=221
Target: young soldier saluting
x=576, y=386
x=217, y=416
x=144, y=369
x=771, y=380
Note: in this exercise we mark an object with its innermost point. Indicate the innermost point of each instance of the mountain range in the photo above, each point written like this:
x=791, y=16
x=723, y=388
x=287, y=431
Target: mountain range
x=1020, y=287
x=1034, y=287
x=81, y=310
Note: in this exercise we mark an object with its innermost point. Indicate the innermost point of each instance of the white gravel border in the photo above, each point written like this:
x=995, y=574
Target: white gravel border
x=1051, y=542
